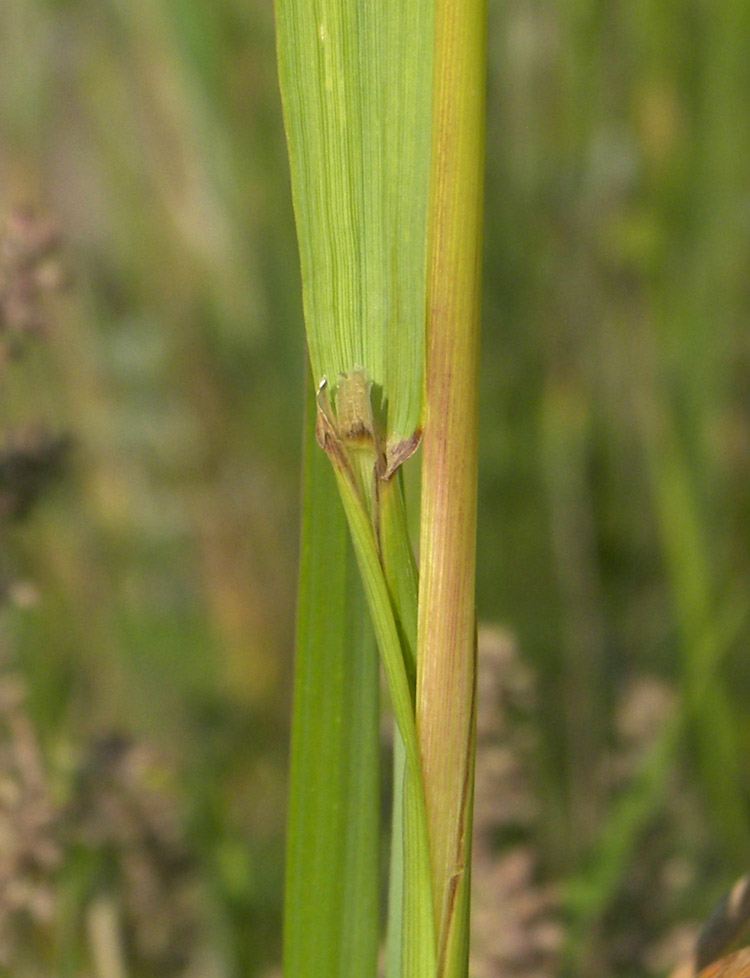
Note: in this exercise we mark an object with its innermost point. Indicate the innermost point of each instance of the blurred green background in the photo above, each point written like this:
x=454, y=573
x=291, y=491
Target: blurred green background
x=615, y=468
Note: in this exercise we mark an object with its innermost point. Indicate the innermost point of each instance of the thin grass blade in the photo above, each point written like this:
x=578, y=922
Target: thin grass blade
x=400, y=569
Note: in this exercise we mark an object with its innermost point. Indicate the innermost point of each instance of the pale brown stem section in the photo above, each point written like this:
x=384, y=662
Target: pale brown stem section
x=446, y=633
x=728, y=923
x=735, y=966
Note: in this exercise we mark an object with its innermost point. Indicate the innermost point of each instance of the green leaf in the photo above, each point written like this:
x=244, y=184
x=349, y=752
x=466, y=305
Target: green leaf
x=331, y=912
x=356, y=83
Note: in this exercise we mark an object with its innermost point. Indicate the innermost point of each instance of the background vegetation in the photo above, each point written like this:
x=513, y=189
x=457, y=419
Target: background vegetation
x=153, y=595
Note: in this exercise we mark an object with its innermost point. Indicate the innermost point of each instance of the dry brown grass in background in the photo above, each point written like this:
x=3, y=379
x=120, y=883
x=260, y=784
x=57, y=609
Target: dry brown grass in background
x=31, y=853
x=519, y=912
x=517, y=929
x=119, y=813
x=124, y=815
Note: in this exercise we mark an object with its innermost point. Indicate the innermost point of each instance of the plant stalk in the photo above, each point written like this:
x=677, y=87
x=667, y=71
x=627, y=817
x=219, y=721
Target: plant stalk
x=446, y=660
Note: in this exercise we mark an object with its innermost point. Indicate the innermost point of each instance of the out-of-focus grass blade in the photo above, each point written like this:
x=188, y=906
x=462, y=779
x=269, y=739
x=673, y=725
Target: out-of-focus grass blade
x=356, y=83
x=331, y=915
x=708, y=708
x=589, y=896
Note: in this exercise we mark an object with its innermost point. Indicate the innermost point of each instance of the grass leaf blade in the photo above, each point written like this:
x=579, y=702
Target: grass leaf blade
x=356, y=83
x=331, y=915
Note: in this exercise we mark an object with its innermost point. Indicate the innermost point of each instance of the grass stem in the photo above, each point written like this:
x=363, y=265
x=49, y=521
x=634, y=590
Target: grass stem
x=446, y=661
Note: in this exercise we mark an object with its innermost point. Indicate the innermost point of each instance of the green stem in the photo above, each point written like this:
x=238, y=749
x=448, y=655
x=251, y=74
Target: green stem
x=418, y=954
x=446, y=660
x=400, y=569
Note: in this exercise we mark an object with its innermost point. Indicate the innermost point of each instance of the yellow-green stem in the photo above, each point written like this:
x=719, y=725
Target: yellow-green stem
x=446, y=661
x=400, y=571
